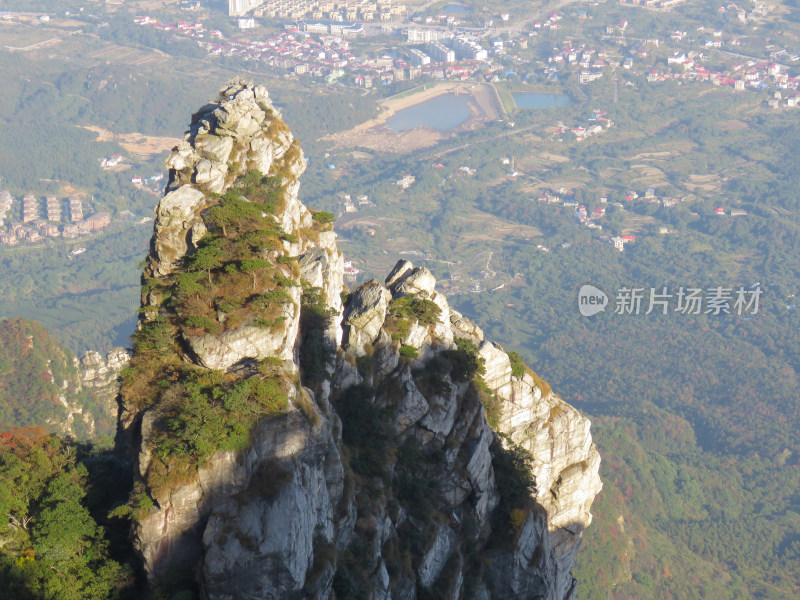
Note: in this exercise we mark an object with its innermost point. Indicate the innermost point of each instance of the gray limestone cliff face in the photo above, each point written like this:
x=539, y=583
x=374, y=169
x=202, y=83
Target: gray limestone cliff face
x=100, y=375
x=89, y=396
x=383, y=478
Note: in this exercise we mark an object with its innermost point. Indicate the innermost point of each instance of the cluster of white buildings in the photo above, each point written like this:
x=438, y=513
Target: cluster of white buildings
x=441, y=53
x=33, y=228
x=591, y=61
x=598, y=122
x=239, y=8
x=340, y=29
x=111, y=162
x=329, y=56
x=444, y=48
x=469, y=48
x=406, y=181
x=741, y=76
x=347, y=204
x=319, y=10
x=194, y=30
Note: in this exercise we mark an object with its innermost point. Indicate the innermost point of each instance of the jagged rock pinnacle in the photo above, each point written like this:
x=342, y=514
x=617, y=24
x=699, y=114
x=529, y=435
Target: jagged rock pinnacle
x=379, y=466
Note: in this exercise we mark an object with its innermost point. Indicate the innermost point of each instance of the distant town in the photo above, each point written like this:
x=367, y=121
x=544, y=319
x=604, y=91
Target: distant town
x=318, y=37
x=33, y=219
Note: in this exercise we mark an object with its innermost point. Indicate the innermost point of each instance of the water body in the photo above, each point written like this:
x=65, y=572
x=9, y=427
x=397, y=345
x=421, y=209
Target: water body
x=457, y=9
x=533, y=100
x=442, y=112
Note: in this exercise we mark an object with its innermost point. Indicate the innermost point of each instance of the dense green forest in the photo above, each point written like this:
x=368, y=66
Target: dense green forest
x=54, y=497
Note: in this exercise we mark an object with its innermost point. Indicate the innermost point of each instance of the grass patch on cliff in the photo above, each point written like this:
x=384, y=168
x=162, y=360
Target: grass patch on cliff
x=228, y=280
x=205, y=411
x=155, y=363
x=542, y=385
x=403, y=312
x=408, y=352
x=467, y=365
x=237, y=275
x=323, y=218
x=519, y=368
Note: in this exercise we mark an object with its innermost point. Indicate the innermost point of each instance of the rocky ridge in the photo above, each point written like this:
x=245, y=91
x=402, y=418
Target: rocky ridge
x=379, y=476
x=100, y=375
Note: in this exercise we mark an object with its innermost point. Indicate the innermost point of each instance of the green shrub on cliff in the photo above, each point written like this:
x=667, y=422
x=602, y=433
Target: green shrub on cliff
x=208, y=411
x=516, y=484
x=406, y=310
x=519, y=368
x=465, y=360
x=228, y=280
x=517, y=365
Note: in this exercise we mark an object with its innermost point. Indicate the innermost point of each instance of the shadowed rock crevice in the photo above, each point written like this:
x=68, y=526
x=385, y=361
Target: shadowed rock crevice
x=379, y=449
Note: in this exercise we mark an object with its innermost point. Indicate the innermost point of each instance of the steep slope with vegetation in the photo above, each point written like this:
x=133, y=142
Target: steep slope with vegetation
x=292, y=440
x=42, y=384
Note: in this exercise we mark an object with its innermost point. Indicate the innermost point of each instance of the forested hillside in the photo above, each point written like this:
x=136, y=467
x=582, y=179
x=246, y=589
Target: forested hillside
x=40, y=385
x=52, y=495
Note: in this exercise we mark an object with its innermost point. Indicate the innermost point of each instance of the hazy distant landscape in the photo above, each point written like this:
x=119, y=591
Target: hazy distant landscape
x=660, y=152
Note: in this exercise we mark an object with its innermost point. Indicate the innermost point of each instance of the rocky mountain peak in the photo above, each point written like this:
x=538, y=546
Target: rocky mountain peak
x=292, y=445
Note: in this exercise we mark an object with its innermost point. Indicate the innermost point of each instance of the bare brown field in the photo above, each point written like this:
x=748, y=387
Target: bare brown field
x=649, y=172
x=67, y=189
x=557, y=158
x=636, y=224
x=707, y=183
x=16, y=36
x=495, y=229
x=135, y=143
x=569, y=183
x=355, y=220
x=27, y=39
x=146, y=5
x=651, y=155
x=732, y=125
x=609, y=172
x=531, y=188
x=67, y=23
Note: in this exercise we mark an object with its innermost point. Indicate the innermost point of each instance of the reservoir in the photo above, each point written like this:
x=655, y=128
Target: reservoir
x=533, y=100
x=442, y=112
